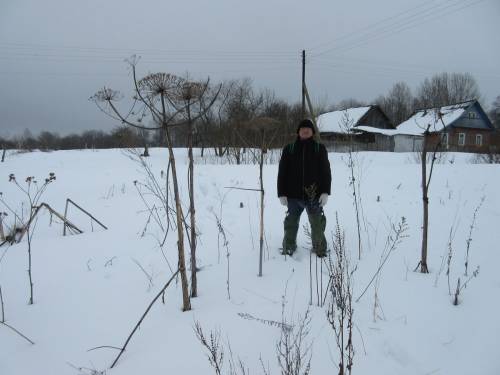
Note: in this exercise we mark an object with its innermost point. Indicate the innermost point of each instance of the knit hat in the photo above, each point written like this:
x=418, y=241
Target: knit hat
x=306, y=123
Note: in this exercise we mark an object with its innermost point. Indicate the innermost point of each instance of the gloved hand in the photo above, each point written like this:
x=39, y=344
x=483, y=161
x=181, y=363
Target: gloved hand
x=323, y=199
x=284, y=201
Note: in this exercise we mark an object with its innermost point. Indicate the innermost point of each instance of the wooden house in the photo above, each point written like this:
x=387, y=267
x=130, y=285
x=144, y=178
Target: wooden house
x=365, y=128
x=461, y=127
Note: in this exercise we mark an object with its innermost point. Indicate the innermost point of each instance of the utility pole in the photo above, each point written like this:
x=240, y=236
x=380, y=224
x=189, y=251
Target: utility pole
x=303, y=83
x=305, y=96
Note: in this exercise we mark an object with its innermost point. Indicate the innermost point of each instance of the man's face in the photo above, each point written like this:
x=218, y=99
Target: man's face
x=305, y=133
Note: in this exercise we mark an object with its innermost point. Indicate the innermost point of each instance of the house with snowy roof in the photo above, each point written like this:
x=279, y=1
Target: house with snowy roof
x=366, y=127
x=461, y=127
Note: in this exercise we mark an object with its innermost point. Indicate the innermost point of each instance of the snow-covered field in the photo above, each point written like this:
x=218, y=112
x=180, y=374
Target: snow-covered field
x=89, y=290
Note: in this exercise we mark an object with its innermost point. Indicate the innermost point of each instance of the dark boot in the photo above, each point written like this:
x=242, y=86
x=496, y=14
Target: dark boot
x=318, y=225
x=291, y=227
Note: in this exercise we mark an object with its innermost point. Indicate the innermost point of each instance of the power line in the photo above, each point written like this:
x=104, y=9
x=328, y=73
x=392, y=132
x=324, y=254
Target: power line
x=84, y=56
x=277, y=69
x=384, y=71
x=388, y=28
x=401, y=26
x=389, y=65
x=368, y=27
x=111, y=58
x=412, y=25
x=234, y=55
x=410, y=18
x=182, y=52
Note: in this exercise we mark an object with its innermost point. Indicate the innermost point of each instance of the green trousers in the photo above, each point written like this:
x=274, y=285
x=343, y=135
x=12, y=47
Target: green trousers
x=317, y=220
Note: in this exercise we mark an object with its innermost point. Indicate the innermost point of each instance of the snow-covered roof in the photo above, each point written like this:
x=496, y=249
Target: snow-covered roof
x=335, y=121
x=371, y=129
x=417, y=124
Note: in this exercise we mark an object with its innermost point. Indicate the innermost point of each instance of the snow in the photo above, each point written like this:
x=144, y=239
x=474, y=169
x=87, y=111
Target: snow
x=417, y=124
x=371, y=129
x=334, y=121
x=89, y=290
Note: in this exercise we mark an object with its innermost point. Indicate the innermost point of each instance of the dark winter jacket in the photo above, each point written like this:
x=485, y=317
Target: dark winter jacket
x=304, y=170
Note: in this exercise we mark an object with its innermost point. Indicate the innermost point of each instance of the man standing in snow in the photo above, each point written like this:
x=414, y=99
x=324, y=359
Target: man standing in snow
x=304, y=180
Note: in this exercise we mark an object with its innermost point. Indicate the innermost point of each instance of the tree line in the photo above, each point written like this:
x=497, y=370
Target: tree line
x=120, y=137
x=239, y=105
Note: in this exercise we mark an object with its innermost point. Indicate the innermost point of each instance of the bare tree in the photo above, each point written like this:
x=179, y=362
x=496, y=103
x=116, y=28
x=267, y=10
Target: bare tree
x=398, y=104
x=495, y=112
x=243, y=107
x=445, y=89
x=214, y=124
x=425, y=183
x=48, y=141
x=347, y=103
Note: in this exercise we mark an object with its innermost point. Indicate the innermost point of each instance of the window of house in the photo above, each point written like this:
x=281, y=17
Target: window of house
x=479, y=139
x=461, y=139
x=444, y=139
x=472, y=115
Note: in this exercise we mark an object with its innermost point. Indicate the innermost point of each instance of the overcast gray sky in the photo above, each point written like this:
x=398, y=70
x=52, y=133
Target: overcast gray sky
x=54, y=54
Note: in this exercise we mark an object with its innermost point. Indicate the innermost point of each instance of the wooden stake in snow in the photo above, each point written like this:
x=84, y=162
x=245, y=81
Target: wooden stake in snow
x=143, y=316
x=16, y=331
x=267, y=129
x=65, y=221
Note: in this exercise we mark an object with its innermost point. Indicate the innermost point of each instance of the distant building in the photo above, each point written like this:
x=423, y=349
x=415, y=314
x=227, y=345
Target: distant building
x=462, y=127
x=366, y=127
